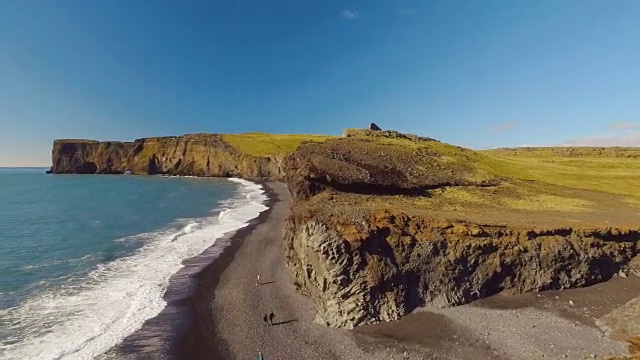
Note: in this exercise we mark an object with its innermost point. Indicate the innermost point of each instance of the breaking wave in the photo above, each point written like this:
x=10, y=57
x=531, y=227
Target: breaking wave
x=84, y=317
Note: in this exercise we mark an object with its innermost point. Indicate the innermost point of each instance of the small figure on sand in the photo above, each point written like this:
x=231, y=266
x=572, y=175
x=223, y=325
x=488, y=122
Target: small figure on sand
x=258, y=280
x=260, y=357
x=268, y=318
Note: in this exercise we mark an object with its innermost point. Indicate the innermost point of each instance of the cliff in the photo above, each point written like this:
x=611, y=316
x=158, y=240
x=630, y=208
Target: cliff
x=383, y=224
x=402, y=263
x=244, y=155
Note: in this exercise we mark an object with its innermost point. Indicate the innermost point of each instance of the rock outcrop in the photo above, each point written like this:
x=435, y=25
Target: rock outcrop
x=357, y=245
x=359, y=165
x=389, y=134
x=401, y=263
x=196, y=154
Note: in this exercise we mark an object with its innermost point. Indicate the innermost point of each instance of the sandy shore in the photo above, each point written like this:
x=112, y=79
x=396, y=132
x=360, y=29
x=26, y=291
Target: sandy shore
x=228, y=308
x=231, y=307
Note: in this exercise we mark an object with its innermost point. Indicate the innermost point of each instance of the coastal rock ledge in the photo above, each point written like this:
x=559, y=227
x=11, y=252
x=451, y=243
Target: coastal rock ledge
x=385, y=223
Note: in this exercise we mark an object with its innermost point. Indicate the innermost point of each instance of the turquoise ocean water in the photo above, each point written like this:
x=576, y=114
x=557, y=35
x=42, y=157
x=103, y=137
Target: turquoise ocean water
x=85, y=260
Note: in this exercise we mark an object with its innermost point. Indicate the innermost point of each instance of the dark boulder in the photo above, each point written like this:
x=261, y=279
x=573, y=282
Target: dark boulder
x=374, y=127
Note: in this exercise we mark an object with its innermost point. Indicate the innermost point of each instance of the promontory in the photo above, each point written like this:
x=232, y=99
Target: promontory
x=383, y=223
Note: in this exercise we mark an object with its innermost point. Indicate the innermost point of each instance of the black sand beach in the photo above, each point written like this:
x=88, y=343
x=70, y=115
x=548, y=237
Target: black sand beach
x=216, y=311
x=200, y=340
x=177, y=332
x=230, y=307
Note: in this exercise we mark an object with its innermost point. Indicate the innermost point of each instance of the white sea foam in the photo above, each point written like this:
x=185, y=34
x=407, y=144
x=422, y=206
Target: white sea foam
x=85, y=318
x=58, y=262
x=188, y=229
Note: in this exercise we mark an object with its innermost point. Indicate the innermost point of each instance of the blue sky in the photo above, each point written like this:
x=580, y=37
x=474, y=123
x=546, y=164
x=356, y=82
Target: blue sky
x=480, y=74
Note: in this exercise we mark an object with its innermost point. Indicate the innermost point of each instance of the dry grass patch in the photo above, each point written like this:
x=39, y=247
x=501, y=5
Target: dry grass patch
x=543, y=202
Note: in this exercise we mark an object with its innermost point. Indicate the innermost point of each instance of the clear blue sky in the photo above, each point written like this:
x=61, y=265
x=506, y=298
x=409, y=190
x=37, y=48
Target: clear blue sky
x=474, y=73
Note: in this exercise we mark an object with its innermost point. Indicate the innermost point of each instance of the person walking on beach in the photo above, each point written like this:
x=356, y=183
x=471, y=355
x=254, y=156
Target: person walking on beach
x=258, y=280
x=260, y=357
x=266, y=319
x=272, y=316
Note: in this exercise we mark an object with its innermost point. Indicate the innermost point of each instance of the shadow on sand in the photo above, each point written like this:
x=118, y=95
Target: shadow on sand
x=284, y=322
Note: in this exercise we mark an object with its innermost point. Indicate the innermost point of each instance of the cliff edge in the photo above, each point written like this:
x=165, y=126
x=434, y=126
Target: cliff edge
x=384, y=223
x=254, y=155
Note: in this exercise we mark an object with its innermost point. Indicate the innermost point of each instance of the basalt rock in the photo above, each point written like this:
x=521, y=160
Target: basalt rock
x=396, y=266
x=360, y=265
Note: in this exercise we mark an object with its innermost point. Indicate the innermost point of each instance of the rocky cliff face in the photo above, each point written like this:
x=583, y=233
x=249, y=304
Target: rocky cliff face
x=400, y=263
x=356, y=244
x=197, y=154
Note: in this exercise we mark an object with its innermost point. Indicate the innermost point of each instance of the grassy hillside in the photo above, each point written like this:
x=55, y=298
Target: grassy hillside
x=611, y=170
x=528, y=187
x=262, y=144
x=545, y=182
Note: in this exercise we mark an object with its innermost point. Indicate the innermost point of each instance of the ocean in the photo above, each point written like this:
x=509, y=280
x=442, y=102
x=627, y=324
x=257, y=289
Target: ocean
x=86, y=259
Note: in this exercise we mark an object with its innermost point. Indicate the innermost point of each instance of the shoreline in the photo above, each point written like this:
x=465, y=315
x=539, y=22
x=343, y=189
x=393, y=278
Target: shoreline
x=194, y=342
x=180, y=325
x=223, y=296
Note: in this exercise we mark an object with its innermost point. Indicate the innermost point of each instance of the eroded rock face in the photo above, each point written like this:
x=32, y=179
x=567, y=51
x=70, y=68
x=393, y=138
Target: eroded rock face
x=392, y=270
x=377, y=266
x=197, y=154
x=324, y=268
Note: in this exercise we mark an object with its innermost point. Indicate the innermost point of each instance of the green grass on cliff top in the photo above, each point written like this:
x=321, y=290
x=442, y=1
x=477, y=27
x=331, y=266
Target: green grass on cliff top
x=611, y=170
x=560, y=177
x=262, y=144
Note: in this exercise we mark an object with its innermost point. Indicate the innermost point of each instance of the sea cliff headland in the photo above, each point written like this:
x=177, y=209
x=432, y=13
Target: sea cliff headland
x=383, y=223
